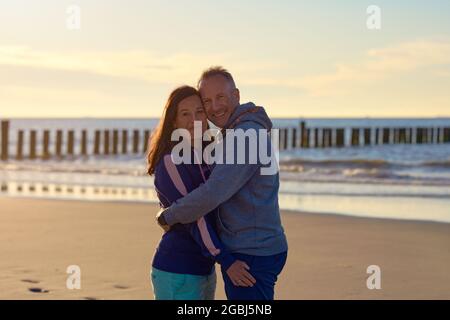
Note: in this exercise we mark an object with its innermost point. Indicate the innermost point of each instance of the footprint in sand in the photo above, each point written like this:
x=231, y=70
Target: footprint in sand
x=38, y=290
x=25, y=271
x=117, y=286
x=30, y=281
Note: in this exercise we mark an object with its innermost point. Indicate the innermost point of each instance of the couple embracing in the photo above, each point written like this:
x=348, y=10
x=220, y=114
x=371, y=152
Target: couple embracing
x=222, y=212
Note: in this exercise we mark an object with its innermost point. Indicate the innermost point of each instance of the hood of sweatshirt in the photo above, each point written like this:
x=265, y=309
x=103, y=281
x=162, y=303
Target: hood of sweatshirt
x=250, y=112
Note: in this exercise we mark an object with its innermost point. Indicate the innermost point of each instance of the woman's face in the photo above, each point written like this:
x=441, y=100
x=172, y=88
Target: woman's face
x=189, y=110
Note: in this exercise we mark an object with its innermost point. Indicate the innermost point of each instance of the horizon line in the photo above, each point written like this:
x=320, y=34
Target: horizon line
x=273, y=117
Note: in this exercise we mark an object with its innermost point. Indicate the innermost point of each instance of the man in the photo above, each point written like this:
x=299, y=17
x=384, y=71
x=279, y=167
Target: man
x=249, y=221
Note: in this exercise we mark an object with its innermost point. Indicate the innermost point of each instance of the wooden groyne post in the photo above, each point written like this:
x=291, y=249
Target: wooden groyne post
x=146, y=141
x=84, y=142
x=304, y=136
x=124, y=141
x=19, y=152
x=106, y=142
x=340, y=137
x=97, y=142
x=4, y=140
x=70, y=142
x=59, y=137
x=135, y=141
x=294, y=138
x=115, y=141
x=32, y=154
x=45, y=150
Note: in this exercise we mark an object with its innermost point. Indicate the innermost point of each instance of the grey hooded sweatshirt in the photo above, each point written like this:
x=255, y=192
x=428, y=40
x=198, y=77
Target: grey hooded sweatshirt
x=249, y=218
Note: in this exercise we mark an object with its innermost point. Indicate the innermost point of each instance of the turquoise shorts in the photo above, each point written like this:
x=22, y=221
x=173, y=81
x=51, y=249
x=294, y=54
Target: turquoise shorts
x=177, y=286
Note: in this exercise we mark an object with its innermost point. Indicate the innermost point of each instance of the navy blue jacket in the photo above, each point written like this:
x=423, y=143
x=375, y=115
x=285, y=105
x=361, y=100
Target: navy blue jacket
x=187, y=248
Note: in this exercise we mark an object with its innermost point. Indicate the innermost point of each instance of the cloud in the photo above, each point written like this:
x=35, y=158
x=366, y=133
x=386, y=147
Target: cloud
x=378, y=64
x=140, y=65
x=146, y=67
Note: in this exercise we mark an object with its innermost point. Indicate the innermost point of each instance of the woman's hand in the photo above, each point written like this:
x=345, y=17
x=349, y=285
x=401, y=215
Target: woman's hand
x=239, y=275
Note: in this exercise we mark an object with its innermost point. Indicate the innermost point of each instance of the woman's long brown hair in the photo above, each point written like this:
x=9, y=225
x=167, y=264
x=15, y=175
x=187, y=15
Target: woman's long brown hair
x=160, y=142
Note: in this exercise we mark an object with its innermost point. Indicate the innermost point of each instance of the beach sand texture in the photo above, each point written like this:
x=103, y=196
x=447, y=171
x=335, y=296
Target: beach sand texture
x=113, y=244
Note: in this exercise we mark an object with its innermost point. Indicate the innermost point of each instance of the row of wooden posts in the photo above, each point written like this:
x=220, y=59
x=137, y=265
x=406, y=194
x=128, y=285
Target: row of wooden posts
x=107, y=142
x=109, y=146
x=304, y=137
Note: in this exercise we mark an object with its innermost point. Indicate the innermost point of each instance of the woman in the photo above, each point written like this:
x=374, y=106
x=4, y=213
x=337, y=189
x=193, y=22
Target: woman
x=183, y=265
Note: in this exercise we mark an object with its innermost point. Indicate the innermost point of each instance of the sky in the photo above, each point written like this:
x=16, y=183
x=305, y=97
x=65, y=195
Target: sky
x=295, y=58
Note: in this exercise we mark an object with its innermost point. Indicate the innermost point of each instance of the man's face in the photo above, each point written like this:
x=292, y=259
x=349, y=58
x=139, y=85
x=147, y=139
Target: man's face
x=219, y=99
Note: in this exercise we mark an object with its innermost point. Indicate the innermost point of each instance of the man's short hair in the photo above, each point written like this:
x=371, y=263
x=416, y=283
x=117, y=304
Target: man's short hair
x=216, y=71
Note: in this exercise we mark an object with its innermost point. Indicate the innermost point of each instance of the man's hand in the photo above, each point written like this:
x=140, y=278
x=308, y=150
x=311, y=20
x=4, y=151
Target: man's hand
x=239, y=275
x=165, y=227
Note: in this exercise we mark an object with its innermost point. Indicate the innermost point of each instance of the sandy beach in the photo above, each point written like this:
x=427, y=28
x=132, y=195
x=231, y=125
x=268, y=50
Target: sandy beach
x=113, y=244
